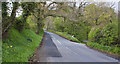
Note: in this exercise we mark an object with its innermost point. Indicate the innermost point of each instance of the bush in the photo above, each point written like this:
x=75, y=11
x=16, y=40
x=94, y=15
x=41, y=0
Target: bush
x=110, y=34
x=79, y=30
x=95, y=35
x=106, y=36
x=81, y=34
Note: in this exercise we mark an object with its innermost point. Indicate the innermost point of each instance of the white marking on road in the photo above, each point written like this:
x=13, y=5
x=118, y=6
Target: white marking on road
x=72, y=51
x=58, y=41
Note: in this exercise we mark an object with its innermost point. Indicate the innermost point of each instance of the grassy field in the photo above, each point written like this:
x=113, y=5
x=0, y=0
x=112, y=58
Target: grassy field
x=69, y=37
x=20, y=46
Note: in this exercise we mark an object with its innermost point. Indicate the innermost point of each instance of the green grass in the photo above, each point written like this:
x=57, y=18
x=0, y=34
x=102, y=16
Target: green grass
x=66, y=36
x=17, y=48
x=0, y=52
x=109, y=49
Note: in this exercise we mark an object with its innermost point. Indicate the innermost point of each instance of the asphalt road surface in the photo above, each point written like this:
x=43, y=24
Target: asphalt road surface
x=58, y=49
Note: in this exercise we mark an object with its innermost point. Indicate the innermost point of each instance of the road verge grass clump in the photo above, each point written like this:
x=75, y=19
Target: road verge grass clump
x=108, y=49
x=20, y=46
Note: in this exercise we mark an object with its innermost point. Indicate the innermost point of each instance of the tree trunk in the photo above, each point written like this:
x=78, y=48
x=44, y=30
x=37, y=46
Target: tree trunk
x=38, y=30
x=22, y=25
x=13, y=15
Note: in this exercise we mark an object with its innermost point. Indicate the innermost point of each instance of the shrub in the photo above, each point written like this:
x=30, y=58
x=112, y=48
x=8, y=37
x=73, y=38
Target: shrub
x=95, y=35
x=110, y=34
x=106, y=36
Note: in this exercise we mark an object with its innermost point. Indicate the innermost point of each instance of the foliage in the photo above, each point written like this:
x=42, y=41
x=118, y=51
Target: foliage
x=81, y=31
x=28, y=9
x=97, y=15
x=110, y=35
x=95, y=34
x=78, y=29
x=107, y=35
x=58, y=22
x=17, y=48
x=67, y=10
x=4, y=9
x=32, y=24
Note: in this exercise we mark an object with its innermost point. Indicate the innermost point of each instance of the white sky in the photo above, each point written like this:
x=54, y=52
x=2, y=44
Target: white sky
x=19, y=11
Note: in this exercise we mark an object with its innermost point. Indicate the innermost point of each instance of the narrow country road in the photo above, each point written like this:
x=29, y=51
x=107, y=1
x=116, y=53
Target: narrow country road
x=58, y=49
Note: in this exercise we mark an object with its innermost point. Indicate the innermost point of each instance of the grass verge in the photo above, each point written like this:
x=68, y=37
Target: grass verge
x=67, y=36
x=107, y=49
x=20, y=46
x=0, y=52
